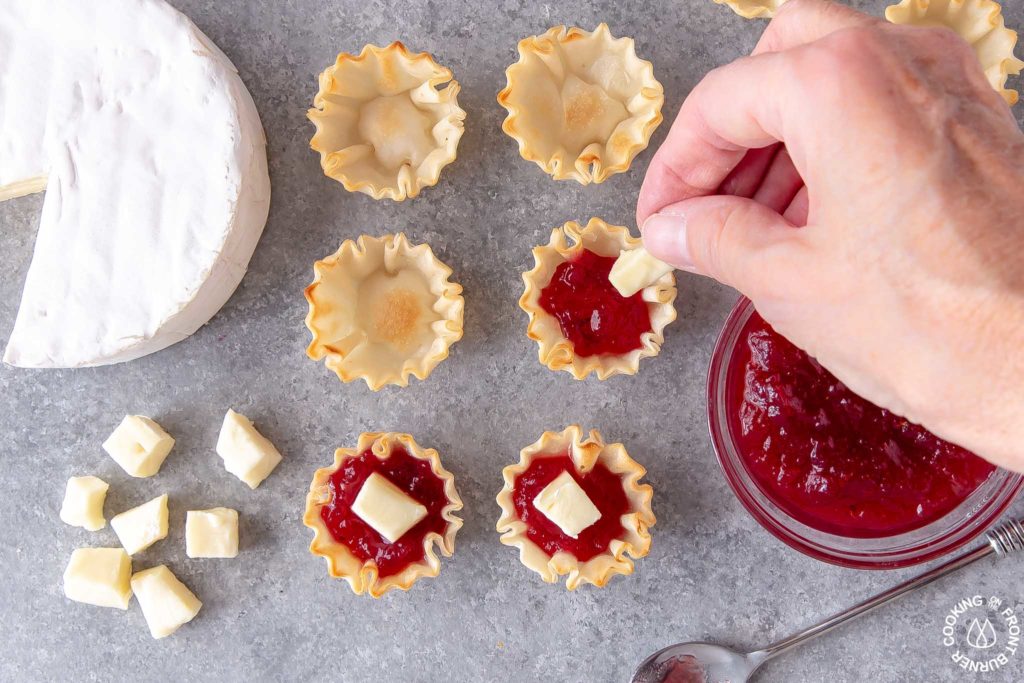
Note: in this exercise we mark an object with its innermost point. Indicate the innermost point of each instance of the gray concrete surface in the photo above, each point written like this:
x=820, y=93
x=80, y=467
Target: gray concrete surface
x=272, y=613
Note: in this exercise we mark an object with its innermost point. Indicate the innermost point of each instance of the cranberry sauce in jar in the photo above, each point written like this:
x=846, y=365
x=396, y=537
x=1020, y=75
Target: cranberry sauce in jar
x=831, y=459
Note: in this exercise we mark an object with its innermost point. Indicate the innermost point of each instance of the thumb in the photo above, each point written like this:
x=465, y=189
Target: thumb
x=734, y=240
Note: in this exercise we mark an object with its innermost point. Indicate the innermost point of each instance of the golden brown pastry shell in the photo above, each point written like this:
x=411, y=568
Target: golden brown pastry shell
x=613, y=106
x=387, y=121
x=382, y=310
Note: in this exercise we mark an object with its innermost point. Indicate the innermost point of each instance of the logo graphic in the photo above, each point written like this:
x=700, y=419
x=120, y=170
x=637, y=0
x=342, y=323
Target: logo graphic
x=981, y=635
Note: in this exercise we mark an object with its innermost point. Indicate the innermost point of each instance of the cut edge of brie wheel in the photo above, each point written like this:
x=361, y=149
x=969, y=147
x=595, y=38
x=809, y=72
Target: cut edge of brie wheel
x=65, y=319
x=22, y=188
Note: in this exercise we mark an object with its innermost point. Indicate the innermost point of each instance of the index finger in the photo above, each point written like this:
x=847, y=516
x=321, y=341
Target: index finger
x=725, y=115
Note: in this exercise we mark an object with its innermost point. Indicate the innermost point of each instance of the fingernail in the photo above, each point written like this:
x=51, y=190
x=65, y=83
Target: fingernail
x=664, y=236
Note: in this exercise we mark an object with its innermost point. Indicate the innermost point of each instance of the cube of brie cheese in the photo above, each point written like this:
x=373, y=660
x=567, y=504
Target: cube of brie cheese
x=139, y=445
x=211, y=533
x=636, y=269
x=246, y=453
x=142, y=526
x=83, y=503
x=166, y=602
x=566, y=504
x=389, y=510
x=99, y=576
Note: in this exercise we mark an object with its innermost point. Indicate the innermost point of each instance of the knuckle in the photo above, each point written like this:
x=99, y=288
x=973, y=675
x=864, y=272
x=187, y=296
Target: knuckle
x=852, y=53
x=814, y=79
x=854, y=46
x=725, y=71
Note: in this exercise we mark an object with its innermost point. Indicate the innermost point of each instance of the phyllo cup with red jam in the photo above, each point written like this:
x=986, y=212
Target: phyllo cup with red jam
x=379, y=511
x=581, y=323
x=575, y=507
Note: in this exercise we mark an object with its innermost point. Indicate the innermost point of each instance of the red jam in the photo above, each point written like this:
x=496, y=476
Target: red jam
x=831, y=459
x=410, y=474
x=591, y=312
x=602, y=486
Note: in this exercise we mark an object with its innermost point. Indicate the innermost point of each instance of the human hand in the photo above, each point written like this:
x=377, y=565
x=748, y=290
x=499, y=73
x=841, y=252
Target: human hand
x=886, y=237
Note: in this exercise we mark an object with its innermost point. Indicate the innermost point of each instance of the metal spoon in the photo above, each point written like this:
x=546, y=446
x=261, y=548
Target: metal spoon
x=710, y=663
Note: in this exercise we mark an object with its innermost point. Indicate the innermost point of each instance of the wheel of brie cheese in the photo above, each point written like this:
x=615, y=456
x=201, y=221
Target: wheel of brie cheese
x=154, y=163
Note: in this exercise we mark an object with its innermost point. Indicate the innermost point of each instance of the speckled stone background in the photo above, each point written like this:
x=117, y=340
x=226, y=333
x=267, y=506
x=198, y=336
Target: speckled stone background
x=272, y=613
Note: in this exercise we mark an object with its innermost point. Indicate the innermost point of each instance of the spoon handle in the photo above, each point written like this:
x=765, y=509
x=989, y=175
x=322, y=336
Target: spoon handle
x=1004, y=540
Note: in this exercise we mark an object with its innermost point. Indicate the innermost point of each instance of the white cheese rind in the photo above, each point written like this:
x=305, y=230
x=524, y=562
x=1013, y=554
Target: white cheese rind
x=83, y=503
x=142, y=526
x=246, y=453
x=139, y=445
x=99, y=576
x=166, y=602
x=636, y=269
x=389, y=510
x=157, y=176
x=566, y=504
x=211, y=533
